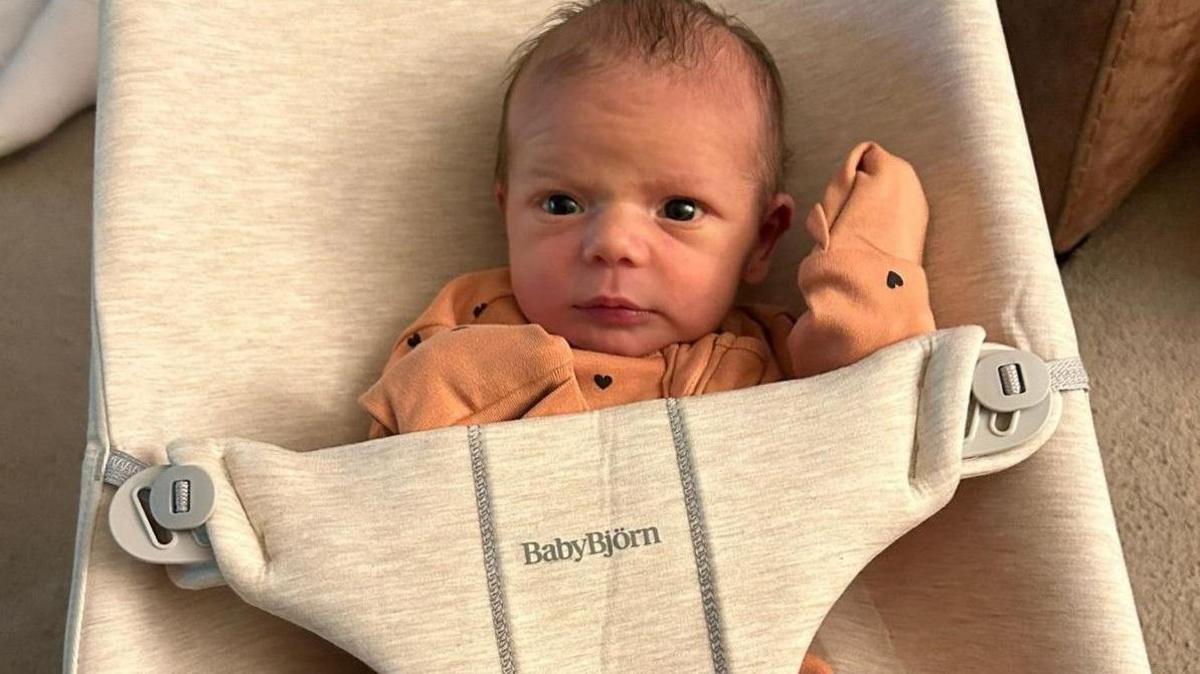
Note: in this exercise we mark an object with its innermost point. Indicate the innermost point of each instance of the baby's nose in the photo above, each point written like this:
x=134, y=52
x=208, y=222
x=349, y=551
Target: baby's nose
x=615, y=238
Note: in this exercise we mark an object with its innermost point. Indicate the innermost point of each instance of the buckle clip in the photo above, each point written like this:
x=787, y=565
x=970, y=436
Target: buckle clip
x=158, y=514
x=1010, y=400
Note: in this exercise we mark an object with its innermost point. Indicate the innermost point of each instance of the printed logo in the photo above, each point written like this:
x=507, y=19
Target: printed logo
x=592, y=543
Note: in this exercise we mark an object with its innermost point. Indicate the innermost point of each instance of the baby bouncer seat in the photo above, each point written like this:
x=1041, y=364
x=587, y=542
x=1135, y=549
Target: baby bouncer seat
x=282, y=185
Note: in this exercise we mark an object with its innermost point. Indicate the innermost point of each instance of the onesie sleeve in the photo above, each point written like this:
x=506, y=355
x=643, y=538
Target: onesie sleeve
x=479, y=374
x=376, y=400
x=470, y=357
x=863, y=281
x=464, y=299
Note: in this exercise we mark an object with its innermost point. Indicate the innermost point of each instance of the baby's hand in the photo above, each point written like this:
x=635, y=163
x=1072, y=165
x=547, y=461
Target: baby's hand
x=875, y=199
x=469, y=374
x=863, y=282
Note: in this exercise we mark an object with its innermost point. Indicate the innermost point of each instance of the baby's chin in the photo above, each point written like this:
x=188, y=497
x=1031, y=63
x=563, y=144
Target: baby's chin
x=631, y=342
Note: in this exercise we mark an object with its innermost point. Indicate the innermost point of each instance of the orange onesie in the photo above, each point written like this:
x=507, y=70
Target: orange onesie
x=472, y=357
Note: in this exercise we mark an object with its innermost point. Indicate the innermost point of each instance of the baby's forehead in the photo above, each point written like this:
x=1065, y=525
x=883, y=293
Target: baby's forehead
x=722, y=81
x=718, y=79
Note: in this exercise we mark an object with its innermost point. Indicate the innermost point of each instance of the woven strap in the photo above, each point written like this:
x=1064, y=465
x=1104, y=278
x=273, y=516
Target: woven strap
x=1067, y=374
x=120, y=467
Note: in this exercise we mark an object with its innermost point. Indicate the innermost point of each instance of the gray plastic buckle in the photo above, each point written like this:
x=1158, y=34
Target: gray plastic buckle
x=181, y=497
x=158, y=515
x=1010, y=400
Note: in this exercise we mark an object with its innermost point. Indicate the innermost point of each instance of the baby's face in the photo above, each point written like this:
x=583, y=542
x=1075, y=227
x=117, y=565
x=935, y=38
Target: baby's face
x=635, y=186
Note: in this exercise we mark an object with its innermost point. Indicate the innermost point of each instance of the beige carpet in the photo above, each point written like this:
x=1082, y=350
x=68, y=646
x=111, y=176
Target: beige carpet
x=1134, y=288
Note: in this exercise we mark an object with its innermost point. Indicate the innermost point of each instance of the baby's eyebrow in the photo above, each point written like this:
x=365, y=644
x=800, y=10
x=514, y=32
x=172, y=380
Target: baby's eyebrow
x=541, y=172
x=558, y=178
x=678, y=179
x=685, y=183
x=662, y=180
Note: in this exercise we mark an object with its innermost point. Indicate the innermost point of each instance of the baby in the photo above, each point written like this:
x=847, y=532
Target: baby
x=640, y=175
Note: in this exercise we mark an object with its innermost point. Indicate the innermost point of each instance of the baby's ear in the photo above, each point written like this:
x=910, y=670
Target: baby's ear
x=498, y=191
x=775, y=222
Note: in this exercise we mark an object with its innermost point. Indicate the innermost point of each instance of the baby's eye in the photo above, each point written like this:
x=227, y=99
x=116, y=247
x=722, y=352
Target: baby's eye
x=681, y=209
x=560, y=204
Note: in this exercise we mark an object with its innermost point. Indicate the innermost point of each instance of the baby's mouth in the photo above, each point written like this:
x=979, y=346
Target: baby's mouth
x=612, y=302
x=619, y=317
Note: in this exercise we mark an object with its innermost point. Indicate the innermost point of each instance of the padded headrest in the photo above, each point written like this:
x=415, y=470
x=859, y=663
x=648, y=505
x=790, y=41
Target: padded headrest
x=282, y=188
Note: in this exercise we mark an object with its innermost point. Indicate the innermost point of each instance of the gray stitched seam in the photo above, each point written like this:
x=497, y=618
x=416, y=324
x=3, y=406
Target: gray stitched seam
x=691, y=500
x=491, y=561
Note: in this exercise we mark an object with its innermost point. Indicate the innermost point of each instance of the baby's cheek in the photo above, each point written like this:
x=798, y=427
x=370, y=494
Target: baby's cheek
x=541, y=287
x=699, y=304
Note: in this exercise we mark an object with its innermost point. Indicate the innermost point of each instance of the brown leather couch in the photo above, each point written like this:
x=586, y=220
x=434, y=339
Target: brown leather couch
x=1107, y=88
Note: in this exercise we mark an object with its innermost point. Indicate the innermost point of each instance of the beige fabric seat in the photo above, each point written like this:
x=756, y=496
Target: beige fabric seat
x=282, y=185
x=646, y=533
